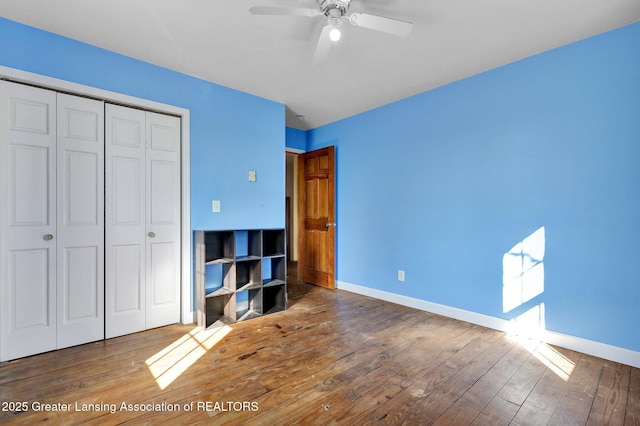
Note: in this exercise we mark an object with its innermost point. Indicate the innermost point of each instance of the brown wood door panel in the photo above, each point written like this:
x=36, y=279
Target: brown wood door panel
x=316, y=217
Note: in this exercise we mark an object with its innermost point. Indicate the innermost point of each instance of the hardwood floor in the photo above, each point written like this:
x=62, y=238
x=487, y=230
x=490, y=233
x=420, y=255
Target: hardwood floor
x=332, y=358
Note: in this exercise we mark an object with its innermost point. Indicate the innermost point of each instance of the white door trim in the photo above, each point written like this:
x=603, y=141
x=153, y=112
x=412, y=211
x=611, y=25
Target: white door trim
x=20, y=76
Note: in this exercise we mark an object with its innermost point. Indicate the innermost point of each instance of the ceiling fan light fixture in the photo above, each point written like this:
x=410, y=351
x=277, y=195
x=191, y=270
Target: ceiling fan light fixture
x=334, y=34
x=336, y=11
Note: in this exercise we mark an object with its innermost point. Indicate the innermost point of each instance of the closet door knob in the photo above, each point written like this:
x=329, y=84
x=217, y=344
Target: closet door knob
x=47, y=237
x=152, y=234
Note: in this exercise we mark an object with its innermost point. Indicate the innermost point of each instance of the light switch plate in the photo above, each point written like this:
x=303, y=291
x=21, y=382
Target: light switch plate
x=215, y=206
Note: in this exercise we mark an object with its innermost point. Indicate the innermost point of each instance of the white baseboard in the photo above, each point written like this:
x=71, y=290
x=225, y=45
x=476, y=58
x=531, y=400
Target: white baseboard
x=589, y=347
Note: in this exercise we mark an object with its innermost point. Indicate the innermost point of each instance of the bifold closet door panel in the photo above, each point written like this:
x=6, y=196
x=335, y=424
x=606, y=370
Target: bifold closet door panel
x=163, y=220
x=27, y=220
x=125, y=220
x=80, y=220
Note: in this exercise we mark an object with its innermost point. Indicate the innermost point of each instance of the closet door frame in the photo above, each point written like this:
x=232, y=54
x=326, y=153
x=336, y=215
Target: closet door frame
x=19, y=76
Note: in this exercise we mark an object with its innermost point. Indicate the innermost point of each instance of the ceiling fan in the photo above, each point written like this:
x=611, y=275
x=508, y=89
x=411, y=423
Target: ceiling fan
x=336, y=12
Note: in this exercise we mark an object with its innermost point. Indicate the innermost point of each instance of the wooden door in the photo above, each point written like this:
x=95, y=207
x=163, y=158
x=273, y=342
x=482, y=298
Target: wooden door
x=80, y=220
x=27, y=220
x=316, y=217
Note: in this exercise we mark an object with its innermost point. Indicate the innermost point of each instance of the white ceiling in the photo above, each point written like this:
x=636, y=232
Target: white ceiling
x=271, y=56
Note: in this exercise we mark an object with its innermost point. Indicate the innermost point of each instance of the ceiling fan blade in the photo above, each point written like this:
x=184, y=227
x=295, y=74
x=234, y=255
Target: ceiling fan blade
x=323, y=46
x=380, y=23
x=275, y=10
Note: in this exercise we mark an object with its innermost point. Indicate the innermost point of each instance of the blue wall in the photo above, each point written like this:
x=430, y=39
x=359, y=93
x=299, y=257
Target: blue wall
x=296, y=139
x=231, y=132
x=467, y=171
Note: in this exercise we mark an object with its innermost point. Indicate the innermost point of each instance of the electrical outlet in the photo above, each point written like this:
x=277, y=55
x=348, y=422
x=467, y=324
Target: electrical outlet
x=400, y=275
x=252, y=176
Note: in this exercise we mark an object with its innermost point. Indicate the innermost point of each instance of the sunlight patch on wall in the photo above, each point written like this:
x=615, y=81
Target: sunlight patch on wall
x=530, y=324
x=168, y=364
x=523, y=271
x=522, y=281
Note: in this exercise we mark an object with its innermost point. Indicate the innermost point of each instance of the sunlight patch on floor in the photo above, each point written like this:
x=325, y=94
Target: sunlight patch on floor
x=559, y=364
x=168, y=364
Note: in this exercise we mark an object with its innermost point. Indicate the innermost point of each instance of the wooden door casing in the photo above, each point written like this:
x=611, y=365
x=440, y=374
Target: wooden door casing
x=316, y=216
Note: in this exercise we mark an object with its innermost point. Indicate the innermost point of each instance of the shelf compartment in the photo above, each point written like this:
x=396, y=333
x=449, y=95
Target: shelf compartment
x=248, y=244
x=247, y=273
x=274, y=271
x=248, y=304
x=221, y=308
x=273, y=242
x=274, y=299
x=218, y=275
x=219, y=246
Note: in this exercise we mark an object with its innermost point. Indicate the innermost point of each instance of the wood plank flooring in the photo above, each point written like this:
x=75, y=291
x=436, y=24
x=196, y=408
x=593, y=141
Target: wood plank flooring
x=332, y=358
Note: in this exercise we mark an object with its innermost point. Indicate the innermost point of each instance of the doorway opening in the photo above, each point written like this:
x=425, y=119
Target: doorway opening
x=311, y=218
x=296, y=288
x=291, y=209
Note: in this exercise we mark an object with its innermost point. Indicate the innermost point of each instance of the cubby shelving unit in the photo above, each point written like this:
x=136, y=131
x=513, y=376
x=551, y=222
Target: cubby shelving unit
x=239, y=274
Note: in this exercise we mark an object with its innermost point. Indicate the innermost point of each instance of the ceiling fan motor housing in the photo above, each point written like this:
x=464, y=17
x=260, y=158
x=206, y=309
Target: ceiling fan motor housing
x=334, y=8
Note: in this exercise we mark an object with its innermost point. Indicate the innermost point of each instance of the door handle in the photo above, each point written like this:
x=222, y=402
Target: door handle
x=47, y=237
x=330, y=224
x=152, y=234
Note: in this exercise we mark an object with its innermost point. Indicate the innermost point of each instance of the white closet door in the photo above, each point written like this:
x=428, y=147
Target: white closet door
x=125, y=221
x=80, y=217
x=27, y=220
x=163, y=220
x=143, y=220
